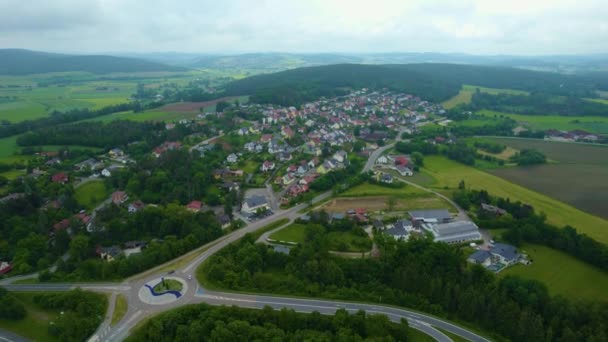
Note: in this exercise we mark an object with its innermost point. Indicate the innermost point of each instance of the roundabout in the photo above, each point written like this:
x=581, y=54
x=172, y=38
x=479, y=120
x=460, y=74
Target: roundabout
x=163, y=290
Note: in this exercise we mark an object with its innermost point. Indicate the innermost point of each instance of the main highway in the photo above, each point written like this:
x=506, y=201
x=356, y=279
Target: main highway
x=185, y=267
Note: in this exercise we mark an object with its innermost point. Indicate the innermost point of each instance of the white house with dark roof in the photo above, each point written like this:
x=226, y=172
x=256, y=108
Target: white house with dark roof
x=255, y=203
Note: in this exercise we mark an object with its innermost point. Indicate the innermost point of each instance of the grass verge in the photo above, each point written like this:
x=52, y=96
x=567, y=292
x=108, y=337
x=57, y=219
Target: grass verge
x=120, y=309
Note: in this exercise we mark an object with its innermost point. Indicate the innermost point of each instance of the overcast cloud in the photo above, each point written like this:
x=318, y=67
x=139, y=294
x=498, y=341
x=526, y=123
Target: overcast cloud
x=231, y=26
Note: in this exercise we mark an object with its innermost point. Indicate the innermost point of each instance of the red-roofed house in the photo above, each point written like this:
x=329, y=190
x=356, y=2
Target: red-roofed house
x=119, y=197
x=194, y=206
x=5, y=267
x=267, y=166
x=60, y=178
x=266, y=138
x=401, y=160
x=287, y=132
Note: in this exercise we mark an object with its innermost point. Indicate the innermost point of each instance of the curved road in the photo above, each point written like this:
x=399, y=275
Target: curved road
x=138, y=310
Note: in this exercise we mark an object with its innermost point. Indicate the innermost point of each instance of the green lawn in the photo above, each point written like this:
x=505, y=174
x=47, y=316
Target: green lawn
x=35, y=325
x=91, y=194
x=447, y=174
x=594, y=124
x=120, y=309
x=563, y=274
x=293, y=233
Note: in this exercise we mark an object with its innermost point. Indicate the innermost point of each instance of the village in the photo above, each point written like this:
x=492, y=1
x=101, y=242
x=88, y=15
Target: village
x=279, y=159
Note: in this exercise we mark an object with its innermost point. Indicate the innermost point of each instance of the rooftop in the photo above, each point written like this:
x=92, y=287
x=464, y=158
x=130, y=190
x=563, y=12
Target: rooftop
x=438, y=214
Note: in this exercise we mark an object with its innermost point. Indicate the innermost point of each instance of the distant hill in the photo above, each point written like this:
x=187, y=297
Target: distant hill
x=24, y=62
x=431, y=81
x=279, y=61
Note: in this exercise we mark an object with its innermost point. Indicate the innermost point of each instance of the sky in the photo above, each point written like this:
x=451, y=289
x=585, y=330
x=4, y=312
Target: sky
x=488, y=27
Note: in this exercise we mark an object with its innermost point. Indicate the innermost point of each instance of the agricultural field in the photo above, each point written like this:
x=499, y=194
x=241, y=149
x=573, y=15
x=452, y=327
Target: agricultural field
x=447, y=174
x=91, y=194
x=571, y=162
x=169, y=113
x=467, y=91
x=35, y=96
x=563, y=274
x=593, y=124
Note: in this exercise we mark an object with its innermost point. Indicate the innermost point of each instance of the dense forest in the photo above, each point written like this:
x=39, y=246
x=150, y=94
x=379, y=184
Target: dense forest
x=25, y=62
x=431, y=81
x=203, y=322
x=421, y=274
x=94, y=134
x=293, y=87
x=537, y=104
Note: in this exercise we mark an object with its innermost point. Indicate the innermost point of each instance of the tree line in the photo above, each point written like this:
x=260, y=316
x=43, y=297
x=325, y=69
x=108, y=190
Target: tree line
x=537, y=104
x=203, y=322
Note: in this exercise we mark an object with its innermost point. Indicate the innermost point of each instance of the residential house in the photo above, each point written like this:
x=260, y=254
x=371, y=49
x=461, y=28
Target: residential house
x=60, y=178
x=404, y=170
x=254, y=203
x=481, y=257
x=89, y=164
x=397, y=232
x=232, y=158
x=116, y=153
x=107, y=172
x=505, y=254
x=119, y=197
x=382, y=160
x=242, y=131
x=267, y=166
x=53, y=161
x=108, y=253
x=224, y=220
x=386, y=178
x=5, y=267
x=194, y=206
x=135, y=206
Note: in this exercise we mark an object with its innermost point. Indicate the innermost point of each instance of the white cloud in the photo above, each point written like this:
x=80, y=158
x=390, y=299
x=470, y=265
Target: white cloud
x=471, y=26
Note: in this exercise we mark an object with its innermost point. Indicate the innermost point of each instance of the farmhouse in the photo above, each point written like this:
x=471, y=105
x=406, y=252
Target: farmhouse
x=456, y=232
x=254, y=203
x=431, y=216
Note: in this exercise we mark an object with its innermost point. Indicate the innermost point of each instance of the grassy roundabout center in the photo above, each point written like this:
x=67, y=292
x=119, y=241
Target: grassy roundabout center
x=168, y=285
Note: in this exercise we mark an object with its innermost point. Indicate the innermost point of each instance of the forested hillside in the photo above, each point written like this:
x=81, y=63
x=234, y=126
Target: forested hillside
x=25, y=62
x=431, y=81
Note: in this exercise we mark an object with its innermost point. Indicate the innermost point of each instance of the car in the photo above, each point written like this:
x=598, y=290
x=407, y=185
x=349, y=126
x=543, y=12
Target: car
x=190, y=277
x=171, y=272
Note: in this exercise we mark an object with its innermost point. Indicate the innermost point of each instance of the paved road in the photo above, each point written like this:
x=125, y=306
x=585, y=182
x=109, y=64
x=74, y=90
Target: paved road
x=377, y=153
x=7, y=336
